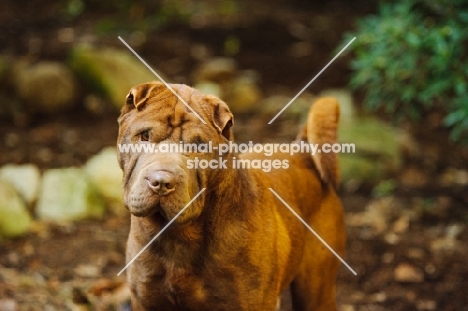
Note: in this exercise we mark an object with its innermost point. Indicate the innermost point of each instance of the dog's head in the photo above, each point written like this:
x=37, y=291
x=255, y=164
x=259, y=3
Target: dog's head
x=154, y=120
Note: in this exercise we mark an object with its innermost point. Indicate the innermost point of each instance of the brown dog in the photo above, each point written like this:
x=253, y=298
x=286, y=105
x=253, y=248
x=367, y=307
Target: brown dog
x=236, y=247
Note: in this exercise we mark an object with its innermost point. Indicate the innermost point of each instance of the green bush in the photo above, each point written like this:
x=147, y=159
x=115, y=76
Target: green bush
x=411, y=58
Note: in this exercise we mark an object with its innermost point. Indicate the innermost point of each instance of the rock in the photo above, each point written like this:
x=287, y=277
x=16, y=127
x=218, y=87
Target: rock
x=200, y=52
x=454, y=177
x=426, y=305
x=447, y=245
x=273, y=104
x=378, y=297
x=218, y=69
x=391, y=238
x=7, y=304
x=431, y=270
x=24, y=178
x=416, y=253
x=270, y=106
x=377, y=153
x=300, y=49
x=67, y=194
x=14, y=216
x=95, y=104
x=354, y=168
x=209, y=88
x=388, y=258
x=401, y=225
x=109, y=72
x=413, y=177
x=46, y=87
x=378, y=215
x=407, y=273
x=104, y=172
x=454, y=230
x=242, y=95
x=88, y=271
x=347, y=307
x=238, y=89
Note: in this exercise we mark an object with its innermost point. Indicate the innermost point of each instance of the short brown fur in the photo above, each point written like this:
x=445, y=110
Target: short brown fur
x=236, y=247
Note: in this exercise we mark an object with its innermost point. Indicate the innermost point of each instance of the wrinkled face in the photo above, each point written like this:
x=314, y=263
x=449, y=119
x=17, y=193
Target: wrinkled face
x=160, y=184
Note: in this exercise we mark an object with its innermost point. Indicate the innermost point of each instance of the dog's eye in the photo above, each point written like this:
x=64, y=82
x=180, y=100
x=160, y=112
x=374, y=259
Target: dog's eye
x=144, y=136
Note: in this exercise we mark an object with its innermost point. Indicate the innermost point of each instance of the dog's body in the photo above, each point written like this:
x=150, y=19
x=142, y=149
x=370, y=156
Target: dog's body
x=236, y=247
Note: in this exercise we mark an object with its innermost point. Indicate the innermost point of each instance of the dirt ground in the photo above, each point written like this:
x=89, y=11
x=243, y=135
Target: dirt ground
x=409, y=263
x=62, y=266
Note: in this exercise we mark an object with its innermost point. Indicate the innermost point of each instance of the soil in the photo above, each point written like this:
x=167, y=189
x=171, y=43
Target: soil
x=64, y=266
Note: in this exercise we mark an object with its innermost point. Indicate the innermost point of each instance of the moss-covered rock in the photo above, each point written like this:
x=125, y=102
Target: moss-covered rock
x=14, y=216
x=242, y=94
x=46, y=87
x=377, y=150
x=104, y=172
x=67, y=194
x=25, y=178
x=109, y=72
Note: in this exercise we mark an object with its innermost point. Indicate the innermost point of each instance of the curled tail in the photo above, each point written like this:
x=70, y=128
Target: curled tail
x=320, y=129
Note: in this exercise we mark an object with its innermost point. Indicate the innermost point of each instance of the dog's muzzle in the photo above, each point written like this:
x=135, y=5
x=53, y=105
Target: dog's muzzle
x=161, y=182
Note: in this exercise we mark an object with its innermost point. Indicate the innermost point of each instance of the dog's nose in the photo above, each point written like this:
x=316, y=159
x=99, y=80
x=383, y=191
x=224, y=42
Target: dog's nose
x=161, y=182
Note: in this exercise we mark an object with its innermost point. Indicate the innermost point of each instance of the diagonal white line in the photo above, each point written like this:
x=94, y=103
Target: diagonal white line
x=312, y=230
x=160, y=232
x=313, y=79
x=161, y=79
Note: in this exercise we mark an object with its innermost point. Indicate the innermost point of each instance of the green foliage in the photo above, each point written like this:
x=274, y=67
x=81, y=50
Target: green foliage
x=412, y=58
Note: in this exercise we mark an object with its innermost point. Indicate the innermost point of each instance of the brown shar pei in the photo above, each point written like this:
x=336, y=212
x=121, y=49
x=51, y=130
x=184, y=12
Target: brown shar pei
x=236, y=247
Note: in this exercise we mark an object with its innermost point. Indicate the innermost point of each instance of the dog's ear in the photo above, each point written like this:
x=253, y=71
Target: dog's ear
x=222, y=117
x=321, y=127
x=138, y=96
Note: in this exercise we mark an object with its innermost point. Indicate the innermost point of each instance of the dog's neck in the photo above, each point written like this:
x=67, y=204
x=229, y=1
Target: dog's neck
x=226, y=201
x=232, y=187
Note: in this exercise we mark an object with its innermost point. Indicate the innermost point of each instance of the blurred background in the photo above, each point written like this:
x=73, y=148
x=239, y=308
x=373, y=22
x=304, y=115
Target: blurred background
x=402, y=87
